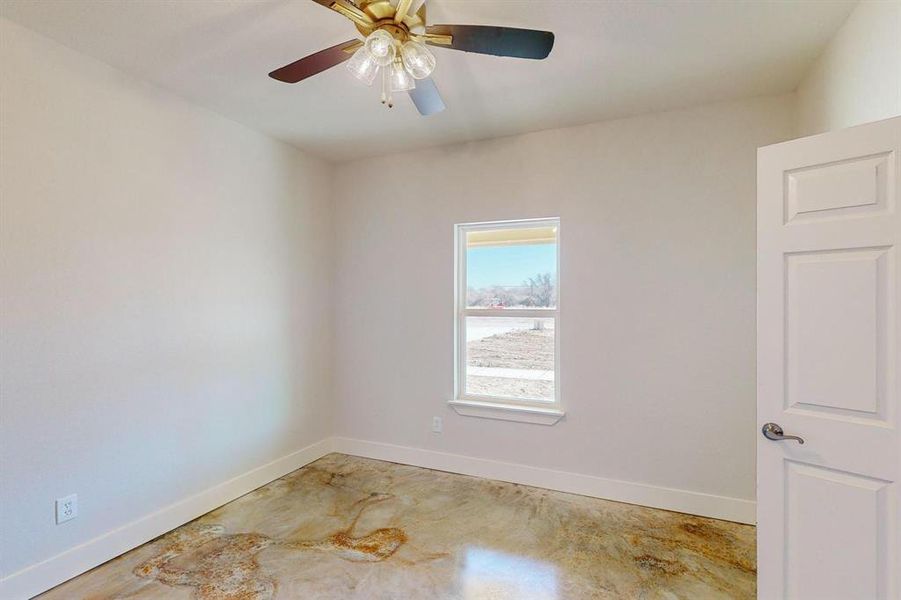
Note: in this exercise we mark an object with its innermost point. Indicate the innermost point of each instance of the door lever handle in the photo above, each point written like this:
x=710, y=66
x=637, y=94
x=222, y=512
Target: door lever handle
x=771, y=431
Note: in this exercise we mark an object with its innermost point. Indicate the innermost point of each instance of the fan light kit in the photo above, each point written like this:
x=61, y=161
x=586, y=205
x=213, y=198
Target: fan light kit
x=394, y=47
x=400, y=63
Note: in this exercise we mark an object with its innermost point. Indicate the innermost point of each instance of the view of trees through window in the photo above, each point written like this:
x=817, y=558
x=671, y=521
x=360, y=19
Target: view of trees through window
x=512, y=275
x=534, y=292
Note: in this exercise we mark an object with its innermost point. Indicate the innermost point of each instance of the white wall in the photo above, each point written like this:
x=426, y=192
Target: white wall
x=657, y=282
x=165, y=281
x=857, y=79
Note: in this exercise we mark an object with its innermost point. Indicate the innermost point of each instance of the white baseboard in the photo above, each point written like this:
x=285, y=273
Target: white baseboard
x=695, y=503
x=42, y=576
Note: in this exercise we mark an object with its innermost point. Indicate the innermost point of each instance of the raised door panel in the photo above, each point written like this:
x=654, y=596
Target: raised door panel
x=835, y=534
x=836, y=327
x=848, y=188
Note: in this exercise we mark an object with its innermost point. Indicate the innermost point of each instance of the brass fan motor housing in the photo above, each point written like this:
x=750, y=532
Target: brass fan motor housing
x=382, y=14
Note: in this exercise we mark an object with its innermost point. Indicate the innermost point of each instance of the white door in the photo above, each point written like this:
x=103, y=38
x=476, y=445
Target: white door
x=829, y=366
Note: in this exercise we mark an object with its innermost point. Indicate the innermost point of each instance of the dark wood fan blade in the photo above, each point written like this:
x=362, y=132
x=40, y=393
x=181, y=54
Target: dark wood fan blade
x=426, y=97
x=315, y=63
x=499, y=41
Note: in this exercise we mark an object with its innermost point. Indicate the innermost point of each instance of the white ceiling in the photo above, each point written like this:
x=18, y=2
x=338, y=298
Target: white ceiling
x=611, y=59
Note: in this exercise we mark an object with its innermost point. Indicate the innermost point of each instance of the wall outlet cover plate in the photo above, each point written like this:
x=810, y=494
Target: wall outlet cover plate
x=66, y=508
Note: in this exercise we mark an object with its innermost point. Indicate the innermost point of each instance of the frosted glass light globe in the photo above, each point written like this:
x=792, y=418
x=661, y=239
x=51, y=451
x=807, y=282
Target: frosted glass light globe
x=400, y=80
x=363, y=66
x=380, y=46
x=418, y=60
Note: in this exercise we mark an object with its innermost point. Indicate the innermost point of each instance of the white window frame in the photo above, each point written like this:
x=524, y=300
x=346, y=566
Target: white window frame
x=545, y=412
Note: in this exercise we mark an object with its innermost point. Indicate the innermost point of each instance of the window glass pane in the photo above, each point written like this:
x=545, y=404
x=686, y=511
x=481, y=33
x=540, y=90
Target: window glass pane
x=511, y=268
x=510, y=357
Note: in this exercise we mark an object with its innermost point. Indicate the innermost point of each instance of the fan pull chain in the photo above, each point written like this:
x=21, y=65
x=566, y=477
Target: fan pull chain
x=386, y=91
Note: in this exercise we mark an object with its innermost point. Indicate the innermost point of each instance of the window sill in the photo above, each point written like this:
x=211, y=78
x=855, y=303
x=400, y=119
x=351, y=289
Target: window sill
x=507, y=412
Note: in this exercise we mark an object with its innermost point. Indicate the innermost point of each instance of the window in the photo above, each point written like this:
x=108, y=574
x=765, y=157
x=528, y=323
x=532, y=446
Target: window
x=507, y=320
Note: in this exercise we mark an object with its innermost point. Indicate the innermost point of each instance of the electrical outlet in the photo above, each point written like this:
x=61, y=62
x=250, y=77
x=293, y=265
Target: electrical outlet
x=437, y=424
x=66, y=508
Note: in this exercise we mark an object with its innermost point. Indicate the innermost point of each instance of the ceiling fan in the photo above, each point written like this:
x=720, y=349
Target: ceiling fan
x=395, y=45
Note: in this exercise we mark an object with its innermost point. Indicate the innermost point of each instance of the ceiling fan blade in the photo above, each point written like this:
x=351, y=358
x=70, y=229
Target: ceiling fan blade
x=499, y=41
x=348, y=9
x=426, y=97
x=315, y=63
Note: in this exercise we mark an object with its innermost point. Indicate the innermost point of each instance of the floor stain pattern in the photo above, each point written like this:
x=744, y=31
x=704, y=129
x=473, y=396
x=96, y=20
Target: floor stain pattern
x=348, y=527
